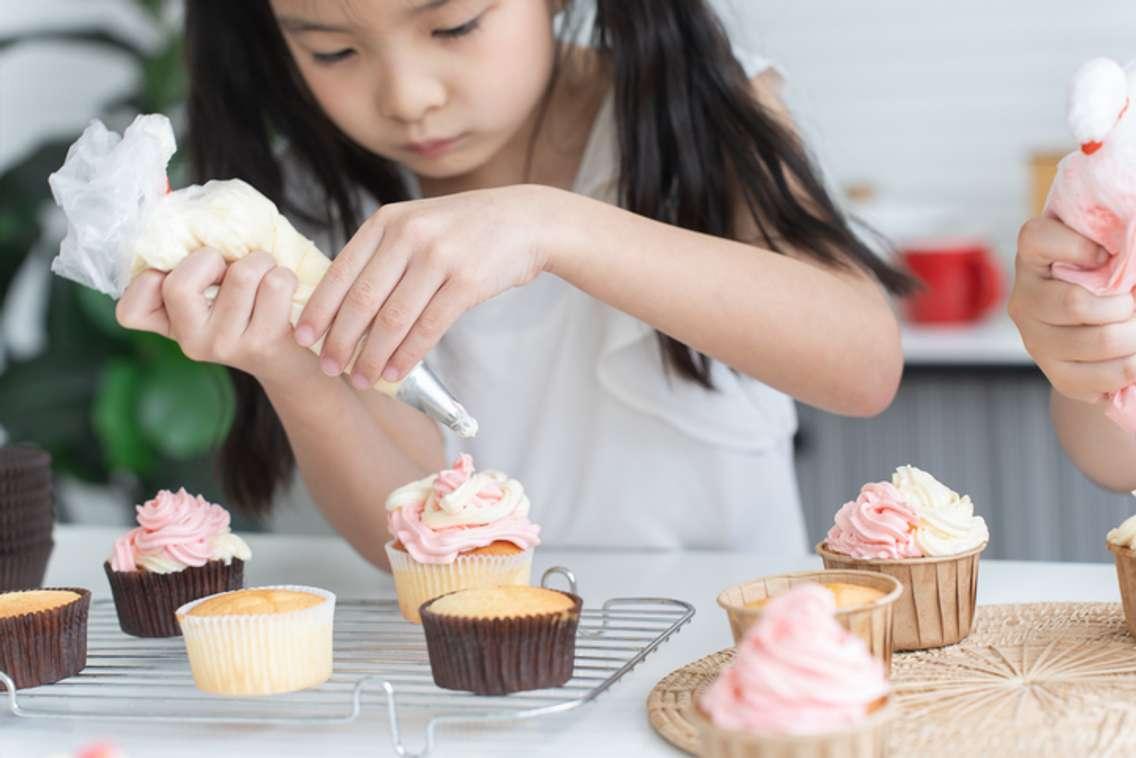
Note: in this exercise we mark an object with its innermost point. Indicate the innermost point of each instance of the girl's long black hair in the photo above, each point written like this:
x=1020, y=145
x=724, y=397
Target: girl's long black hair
x=694, y=146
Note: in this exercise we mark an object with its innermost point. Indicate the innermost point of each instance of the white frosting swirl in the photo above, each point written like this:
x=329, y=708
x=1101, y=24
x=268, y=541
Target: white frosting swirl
x=947, y=524
x=223, y=547
x=1125, y=534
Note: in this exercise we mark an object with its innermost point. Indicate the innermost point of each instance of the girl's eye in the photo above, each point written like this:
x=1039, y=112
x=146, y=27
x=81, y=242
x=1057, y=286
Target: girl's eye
x=458, y=31
x=335, y=57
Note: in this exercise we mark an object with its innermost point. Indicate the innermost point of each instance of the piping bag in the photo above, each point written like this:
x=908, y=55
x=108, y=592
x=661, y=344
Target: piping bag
x=123, y=219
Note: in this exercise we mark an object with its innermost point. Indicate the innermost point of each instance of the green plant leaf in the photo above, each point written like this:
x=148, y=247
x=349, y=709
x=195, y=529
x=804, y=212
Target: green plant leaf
x=45, y=401
x=115, y=419
x=184, y=408
x=99, y=308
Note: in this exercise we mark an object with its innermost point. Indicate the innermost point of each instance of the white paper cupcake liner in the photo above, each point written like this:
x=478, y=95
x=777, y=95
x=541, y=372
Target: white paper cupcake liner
x=415, y=582
x=260, y=654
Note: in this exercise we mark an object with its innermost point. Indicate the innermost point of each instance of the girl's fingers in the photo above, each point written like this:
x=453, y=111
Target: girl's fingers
x=444, y=309
x=330, y=293
x=273, y=305
x=1092, y=382
x=234, y=305
x=1045, y=241
x=1062, y=304
x=184, y=293
x=141, y=306
x=397, y=315
x=368, y=296
x=1086, y=343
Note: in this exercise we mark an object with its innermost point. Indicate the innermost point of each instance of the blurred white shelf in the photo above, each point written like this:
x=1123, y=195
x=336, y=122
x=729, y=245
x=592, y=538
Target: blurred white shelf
x=993, y=342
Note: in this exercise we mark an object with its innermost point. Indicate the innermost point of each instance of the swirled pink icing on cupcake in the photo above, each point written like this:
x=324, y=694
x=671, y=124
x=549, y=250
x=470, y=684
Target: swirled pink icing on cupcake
x=878, y=524
x=177, y=530
x=797, y=671
x=460, y=509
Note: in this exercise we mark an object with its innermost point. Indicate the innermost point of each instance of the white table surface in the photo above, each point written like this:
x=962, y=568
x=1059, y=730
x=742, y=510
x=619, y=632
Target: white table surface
x=615, y=725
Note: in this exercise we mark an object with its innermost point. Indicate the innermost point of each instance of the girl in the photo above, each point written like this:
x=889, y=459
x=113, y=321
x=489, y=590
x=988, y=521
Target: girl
x=1085, y=345
x=621, y=253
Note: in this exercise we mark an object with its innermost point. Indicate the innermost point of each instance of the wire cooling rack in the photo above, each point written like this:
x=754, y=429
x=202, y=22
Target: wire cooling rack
x=380, y=660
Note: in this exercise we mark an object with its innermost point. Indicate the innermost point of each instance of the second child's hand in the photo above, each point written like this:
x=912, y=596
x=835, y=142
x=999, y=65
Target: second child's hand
x=414, y=268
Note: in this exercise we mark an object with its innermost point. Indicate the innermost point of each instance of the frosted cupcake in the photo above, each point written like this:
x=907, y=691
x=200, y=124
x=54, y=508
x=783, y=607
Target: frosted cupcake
x=799, y=685
x=182, y=549
x=1122, y=544
x=925, y=535
x=458, y=529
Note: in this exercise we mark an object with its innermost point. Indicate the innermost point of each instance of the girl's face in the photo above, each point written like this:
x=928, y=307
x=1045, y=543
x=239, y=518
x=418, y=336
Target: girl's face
x=439, y=86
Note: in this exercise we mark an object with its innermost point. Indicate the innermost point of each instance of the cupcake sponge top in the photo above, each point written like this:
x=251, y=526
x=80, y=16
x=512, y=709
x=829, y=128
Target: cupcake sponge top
x=256, y=602
x=33, y=601
x=502, y=602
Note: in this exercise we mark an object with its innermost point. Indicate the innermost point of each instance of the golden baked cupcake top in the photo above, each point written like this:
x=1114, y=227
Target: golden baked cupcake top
x=502, y=602
x=33, y=601
x=847, y=595
x=256, y=602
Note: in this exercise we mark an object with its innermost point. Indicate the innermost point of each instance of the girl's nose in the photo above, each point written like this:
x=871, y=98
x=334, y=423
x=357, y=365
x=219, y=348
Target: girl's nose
x=407, y=95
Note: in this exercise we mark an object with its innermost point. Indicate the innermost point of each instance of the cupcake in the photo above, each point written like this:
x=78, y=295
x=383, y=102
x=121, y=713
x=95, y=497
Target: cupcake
x=865, y=603
x=27, y=511
x=455, y=530
x=799, y=685
x=181, y=550
x=497, y=640
x=1121, y=543
x=925, y=535
x=43, y=634
x=259, y=641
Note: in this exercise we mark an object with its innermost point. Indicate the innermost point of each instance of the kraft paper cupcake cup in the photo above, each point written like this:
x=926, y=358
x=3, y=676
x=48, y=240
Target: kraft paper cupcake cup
x=45, y=646
x=939, y=597
x=1126, y=577
x=261, y=654
x=499, y=656
x=147, y=602
x=871, y=622
x=415, y=583
x=24, y=568
x=22, y=460
x=865, y=740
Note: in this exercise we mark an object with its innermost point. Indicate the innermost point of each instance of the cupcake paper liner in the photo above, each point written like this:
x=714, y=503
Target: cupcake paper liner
x=415, y=583
x=25, y=486
x=146, y=602
x=865, y=740
x=937, y=605
x=46, y=646
x=872, y=622
x=1126, y=577
x=17, y=459
x=499, y=656
x=262, y=654
x=24, y=569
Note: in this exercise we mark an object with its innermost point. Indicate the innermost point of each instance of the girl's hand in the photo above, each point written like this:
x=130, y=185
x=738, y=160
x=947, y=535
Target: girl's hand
x=1085, y=344
x=413, y=268
x=246, y=327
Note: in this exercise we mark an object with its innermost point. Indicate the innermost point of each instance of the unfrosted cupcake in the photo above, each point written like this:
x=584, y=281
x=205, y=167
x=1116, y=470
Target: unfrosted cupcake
x=925, y=535
x=181, y=550
x=43, y=634
x=799, y=685
x=458, y=529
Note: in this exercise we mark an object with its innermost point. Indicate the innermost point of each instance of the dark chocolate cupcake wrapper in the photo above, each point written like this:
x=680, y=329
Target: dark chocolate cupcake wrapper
x=500, y=656
x=25, y=484
x=19, y=539
x=16, y=459
x=46, y=646
x=24, y=569
x=146, y=601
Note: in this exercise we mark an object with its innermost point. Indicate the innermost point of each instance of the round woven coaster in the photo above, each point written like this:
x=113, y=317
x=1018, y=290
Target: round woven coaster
x=1036, y=679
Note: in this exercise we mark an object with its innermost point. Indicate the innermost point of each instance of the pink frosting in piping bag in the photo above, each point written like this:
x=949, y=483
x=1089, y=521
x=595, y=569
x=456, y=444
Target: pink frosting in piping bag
x=177, y=524
x=877, y=524
x=477, y=509
x=797, y=671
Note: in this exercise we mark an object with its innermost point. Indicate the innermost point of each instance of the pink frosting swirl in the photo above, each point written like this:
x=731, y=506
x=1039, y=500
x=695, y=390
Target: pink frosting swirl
x=177, y=525
x=877, y=524
x=497, y=510
x=797, y=671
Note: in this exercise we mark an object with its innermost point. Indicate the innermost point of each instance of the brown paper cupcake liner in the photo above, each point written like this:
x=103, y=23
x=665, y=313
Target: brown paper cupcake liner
x=16, y=459
x=1126, y=578
x=46, y=646
x=500, y=656
x=15, y=539
x=25, y=569
x=15, y=508
x=871, y=622
x=146, y=601
x=939, y=595
x=25, y=485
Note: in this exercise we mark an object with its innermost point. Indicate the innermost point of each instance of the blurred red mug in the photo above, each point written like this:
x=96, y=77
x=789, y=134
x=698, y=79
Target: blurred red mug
x=961, y=281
